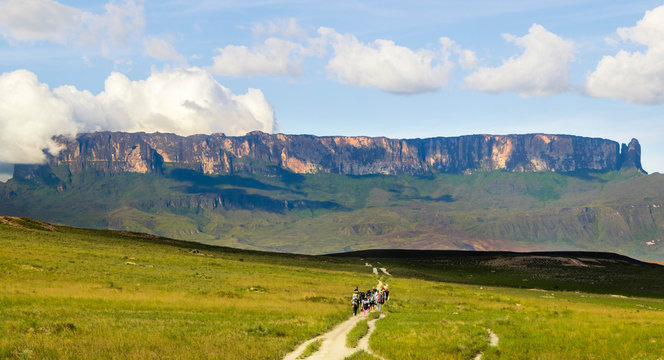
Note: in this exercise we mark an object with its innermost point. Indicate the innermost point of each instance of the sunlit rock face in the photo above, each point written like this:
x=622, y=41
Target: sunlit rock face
x=257, y=152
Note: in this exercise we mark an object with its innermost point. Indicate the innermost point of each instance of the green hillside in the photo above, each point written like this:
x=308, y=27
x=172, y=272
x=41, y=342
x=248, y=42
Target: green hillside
x=615, y=211
x=76, y=293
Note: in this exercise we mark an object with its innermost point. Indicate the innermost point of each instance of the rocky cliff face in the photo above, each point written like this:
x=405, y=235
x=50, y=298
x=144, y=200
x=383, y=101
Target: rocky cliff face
x=257, y=152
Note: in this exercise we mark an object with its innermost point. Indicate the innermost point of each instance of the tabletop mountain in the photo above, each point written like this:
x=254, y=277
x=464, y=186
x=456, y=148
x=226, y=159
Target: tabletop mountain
x=303, y=193
x=257, y=152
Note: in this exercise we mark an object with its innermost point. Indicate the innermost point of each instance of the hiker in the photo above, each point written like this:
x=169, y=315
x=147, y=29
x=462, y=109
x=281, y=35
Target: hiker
x=380, y=300
x=370, y=300
x=387, y=293
x=365, y=306
x=356, y=303
x=374, y=299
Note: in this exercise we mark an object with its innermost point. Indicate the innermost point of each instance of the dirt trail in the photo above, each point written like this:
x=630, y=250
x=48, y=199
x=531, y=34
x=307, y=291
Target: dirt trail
x=334, y=341
x=363, y=344
x=493, y=341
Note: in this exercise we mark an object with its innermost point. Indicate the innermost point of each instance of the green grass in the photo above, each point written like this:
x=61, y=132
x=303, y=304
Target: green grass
x=311, y=349
x=356, y=333
x=373, y=315
x=361, y=355
x=96, y=294
x=436, y=320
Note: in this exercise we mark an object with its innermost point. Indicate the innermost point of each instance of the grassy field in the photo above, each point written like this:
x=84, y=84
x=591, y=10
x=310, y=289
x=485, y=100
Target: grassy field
x=435, y=320
x=75, y=293
x=71, y=293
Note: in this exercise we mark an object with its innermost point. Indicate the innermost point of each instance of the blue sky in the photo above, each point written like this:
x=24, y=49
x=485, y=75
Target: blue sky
x=377, y=68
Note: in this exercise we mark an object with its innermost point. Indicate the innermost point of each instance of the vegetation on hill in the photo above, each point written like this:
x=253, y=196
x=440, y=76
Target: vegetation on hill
x=615, y=211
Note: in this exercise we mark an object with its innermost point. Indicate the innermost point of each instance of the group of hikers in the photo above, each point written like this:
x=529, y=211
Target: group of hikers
x=369, y=300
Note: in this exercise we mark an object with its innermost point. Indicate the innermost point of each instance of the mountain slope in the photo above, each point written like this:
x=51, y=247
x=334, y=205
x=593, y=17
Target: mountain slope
x=320, y=213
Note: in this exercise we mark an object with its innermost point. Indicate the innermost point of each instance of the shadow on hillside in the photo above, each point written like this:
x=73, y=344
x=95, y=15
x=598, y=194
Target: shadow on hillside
x=586, y=175
x=199, y=180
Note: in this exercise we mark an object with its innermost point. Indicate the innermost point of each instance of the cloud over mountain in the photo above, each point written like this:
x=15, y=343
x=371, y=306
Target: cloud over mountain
x=182, y=101
x=636, y=77
x=541, y=70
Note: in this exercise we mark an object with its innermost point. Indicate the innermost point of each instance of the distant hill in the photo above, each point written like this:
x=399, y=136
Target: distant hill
x=307, y=194
x=597, y=272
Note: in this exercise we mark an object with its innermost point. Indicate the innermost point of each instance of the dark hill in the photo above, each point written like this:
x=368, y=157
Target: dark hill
x=597, y=272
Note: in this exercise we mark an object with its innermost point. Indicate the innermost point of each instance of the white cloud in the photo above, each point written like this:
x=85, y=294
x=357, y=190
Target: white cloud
x=48, y=20
x=636, y=77
x=161, y=49
x=182, y=101
x=385, y=65
x=541, y=70
x=29, y=115
x=467, y=58
x=284, y=27
x=275, y=57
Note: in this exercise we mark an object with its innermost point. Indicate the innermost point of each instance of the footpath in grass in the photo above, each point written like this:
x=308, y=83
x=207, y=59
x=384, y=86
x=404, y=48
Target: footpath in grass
x=341, y=342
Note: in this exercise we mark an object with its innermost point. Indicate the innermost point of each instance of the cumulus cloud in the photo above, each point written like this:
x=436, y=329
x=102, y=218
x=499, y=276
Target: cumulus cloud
x=48, y=20
x=161, y=49
x=386, y=65
x=277, y=57
x=29, y=115
x=182, y=101
x=636, y=77
x=541, y=70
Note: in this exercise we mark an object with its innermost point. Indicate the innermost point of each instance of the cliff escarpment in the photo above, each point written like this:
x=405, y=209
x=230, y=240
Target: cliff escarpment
x=116, y=152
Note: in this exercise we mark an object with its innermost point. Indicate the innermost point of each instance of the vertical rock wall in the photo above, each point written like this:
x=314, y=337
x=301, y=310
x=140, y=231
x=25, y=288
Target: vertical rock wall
x=257, y=152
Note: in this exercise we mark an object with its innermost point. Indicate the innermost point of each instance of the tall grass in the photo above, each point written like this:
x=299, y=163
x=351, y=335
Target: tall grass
x=356, y=333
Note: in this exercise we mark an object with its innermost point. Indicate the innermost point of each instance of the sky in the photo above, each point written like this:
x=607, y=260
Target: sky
x=375, y=68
